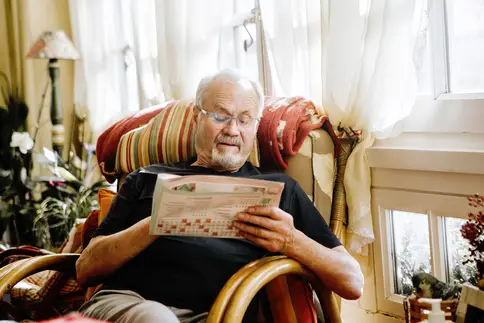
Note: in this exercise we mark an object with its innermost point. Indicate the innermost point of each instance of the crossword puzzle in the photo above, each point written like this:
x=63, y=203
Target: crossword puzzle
x=198, y=227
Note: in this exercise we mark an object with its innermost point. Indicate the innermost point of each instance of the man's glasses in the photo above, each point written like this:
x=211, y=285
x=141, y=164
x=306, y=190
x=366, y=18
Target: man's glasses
x=224, y=119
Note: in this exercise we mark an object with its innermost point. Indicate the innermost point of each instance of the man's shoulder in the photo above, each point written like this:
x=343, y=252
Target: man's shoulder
x=164, y=168
x=278, y=177
x=150, y=172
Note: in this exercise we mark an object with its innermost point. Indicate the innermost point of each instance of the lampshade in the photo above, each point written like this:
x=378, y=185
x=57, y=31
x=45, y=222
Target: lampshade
x=53, y=44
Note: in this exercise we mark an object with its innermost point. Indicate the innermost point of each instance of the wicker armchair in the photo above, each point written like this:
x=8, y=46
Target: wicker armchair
x=233, y=300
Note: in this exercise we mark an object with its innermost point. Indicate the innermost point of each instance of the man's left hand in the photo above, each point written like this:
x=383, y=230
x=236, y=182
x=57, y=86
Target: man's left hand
x=269, y=227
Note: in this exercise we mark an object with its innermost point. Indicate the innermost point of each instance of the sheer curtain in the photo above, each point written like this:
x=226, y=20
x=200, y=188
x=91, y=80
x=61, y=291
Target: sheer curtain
x=136, y=54
x=361, y=70
x=105, y=77
x=189, y=33
x=293, y=36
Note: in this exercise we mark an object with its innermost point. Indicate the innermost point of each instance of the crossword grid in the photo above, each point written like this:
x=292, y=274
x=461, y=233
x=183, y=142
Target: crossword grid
x=202, y=227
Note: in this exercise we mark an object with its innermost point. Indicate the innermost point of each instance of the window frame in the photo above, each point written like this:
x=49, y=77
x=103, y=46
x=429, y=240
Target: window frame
x=439, y=47
x=437, y=207
x=253, y=17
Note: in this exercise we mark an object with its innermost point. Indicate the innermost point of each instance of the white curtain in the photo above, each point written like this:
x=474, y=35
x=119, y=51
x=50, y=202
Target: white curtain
x=365, y=78
x=136, y=54
x=293, y=36
x=105, y=76
x=189, y=42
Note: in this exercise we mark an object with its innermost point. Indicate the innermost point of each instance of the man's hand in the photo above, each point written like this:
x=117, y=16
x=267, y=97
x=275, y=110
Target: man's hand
x=269, y=227
x=273, y=229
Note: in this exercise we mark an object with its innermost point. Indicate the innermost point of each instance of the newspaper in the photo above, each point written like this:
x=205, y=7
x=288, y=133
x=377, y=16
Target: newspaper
x=204, y=205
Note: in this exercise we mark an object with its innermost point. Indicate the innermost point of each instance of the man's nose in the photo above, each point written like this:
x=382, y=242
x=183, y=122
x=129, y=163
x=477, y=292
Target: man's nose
x=232, y=129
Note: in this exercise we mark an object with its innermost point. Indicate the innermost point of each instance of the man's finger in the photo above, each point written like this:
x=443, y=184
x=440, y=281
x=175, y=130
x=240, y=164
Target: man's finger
x=259, y=220
x=255, y=239
x=255, y=230
x=269, y=211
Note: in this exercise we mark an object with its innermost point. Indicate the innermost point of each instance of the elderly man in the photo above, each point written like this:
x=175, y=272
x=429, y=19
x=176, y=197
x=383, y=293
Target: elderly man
x=171, y=279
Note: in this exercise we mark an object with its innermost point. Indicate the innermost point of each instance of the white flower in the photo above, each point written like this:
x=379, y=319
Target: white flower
x=22, y=141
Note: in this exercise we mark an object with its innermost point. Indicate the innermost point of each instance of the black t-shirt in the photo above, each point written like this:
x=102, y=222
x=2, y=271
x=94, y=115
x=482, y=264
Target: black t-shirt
x=188, y=272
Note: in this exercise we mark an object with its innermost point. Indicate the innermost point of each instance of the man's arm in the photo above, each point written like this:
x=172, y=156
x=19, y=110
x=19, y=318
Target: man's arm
x=274, y=230
x=105, y=254
x=336, y=268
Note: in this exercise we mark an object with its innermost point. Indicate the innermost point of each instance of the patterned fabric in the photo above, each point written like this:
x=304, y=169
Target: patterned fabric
x=35, y=287
x=285, y=124
x=43, y=294
x=287, y=127
x=107, y=143
x=169, y=137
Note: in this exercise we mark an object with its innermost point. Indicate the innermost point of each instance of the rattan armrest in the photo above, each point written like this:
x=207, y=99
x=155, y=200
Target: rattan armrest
x=218, y=308
x=13, y=273
x=269, y=270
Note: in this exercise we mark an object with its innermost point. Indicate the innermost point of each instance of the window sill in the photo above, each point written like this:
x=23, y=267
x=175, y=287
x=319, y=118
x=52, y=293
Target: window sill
x=438, y=152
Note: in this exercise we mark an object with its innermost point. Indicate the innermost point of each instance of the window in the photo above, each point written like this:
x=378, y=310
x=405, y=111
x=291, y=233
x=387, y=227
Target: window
x=246, y=38
x=456, y=251
x=457, y=45
x=418, y=232
x=465, y=32
x=409, y=234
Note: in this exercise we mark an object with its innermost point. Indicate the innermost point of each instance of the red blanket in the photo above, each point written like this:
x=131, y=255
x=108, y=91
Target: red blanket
x=284, y=126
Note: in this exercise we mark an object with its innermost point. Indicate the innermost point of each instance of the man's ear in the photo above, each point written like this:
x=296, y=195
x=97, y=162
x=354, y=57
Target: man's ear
x=257, y=127
x=196, y=113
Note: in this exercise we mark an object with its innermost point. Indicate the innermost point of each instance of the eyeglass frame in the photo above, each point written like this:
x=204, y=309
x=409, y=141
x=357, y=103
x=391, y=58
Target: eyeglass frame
x=227, y=122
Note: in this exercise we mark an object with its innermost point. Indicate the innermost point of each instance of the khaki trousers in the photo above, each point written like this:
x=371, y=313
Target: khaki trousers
x=124, y=306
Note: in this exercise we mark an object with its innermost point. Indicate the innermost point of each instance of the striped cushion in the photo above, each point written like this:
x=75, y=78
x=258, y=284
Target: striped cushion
x=167, y=138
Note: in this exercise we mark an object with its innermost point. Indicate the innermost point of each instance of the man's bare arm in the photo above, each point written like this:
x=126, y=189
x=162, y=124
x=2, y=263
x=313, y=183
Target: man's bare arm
x=105, y=254
x=336, y=268
x=274, y=230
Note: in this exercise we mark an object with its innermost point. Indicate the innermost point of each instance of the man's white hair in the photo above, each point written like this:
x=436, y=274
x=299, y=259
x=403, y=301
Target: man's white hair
x=230, y=75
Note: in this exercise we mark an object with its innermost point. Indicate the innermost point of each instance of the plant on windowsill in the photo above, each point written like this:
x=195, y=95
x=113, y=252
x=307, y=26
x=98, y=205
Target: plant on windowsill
x=473, y=231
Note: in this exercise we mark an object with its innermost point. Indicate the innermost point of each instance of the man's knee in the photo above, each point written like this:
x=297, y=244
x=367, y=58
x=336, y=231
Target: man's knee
x=150, y=312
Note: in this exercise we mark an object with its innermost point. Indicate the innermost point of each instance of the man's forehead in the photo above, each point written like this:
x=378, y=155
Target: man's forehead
x=238, y=87
x=230, y=95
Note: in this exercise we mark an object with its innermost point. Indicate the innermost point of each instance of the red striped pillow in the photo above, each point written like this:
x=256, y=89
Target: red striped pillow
x=167, y=138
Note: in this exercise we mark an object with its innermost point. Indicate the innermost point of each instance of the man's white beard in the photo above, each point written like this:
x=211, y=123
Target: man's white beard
x=227, y=160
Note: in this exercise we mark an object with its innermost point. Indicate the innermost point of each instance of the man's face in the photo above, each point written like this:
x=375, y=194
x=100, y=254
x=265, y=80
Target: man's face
x=222, y=146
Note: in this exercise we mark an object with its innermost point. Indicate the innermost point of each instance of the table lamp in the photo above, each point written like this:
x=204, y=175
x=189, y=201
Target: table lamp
x=55, y=45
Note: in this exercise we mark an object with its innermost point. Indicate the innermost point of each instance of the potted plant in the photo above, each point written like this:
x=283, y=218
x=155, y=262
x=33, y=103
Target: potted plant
x=15, y=163
x=36, y=211
x=473, y=231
